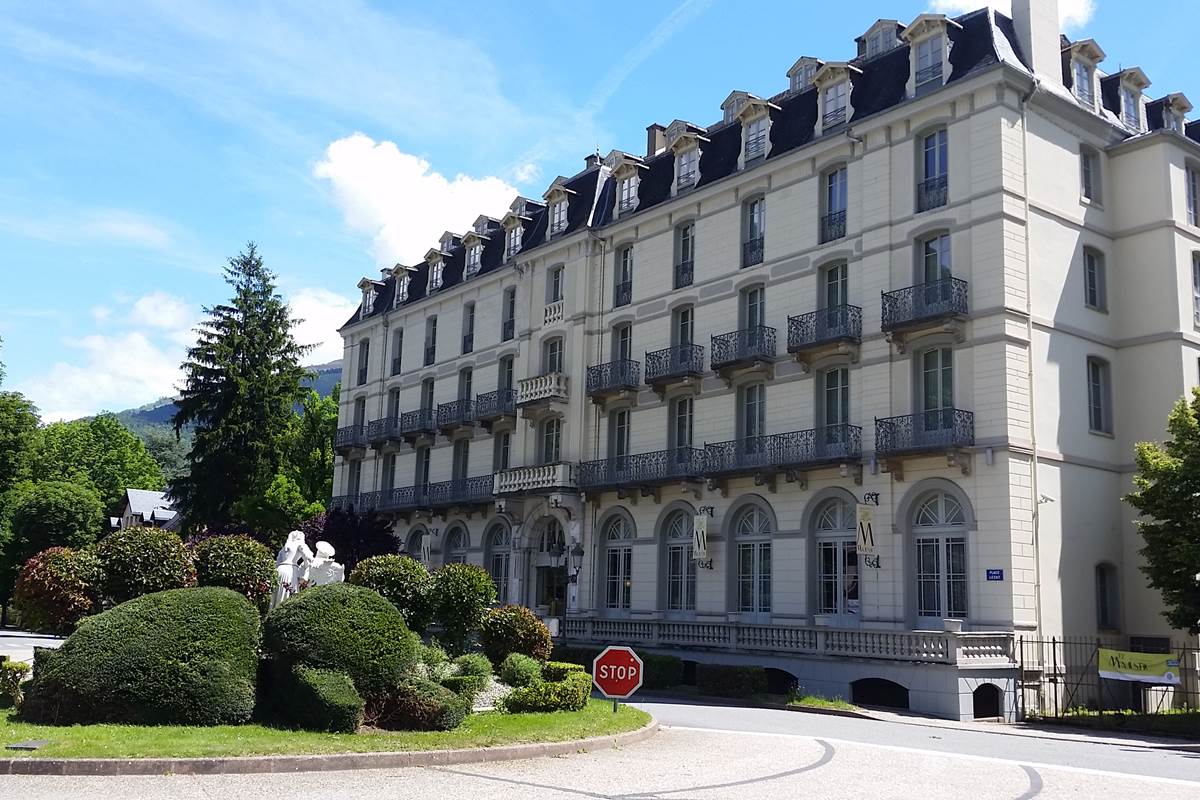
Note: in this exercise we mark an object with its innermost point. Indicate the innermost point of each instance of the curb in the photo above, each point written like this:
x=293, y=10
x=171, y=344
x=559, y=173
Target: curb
x=246, y=765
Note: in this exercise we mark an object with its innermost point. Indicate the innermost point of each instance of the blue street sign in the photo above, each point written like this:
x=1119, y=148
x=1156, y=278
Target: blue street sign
x=995, y=574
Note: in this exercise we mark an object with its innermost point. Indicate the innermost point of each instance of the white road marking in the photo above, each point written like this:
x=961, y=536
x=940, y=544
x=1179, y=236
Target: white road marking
x=967, y=756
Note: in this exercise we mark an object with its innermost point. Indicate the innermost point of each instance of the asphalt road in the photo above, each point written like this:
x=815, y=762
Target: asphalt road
x=708, y=752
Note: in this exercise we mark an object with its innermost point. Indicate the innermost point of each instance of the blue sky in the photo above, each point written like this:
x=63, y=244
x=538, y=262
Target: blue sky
x=147, y=141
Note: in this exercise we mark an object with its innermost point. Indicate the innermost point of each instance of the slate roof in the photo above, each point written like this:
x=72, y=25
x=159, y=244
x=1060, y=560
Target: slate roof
x=152, y=506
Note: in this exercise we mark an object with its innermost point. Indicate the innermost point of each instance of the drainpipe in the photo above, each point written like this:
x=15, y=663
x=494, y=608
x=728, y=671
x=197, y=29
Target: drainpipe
x=594, y=548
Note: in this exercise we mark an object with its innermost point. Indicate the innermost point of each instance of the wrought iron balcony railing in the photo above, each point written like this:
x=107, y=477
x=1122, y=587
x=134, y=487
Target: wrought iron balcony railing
x=615, y=376
x=350, y=437
x=674, y=362
x=752, y=252
x=370, y=501
x=622, y=294
x=833, y=226
x=461, y=491
x=932, y=192
x=940, y=429
x=380, y=431
x=794, y=450
x=824, y=326
x=929, y=77
x=913, y=305
x=343, y=502
x=643, y=469
x=493, y=405
x=455, y=414
x=833, y=117
x=684, y=274
x=686, y=180
x=739, y=347
x=415, y=423
x=756, y=148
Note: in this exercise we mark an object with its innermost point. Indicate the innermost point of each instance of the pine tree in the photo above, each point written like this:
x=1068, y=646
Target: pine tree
x=243, y=378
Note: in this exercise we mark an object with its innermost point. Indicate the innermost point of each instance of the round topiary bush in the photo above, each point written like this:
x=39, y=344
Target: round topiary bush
x=404, y=582
x=57, y=588
x=514, y=629
x=345, y=628
x=238, y=563
x=519, y=670
x=180, y=657
x=462, y=595
x=138, y=561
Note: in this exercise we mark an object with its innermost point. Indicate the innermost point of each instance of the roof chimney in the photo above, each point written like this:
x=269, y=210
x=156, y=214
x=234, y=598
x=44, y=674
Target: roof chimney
x=591, y=160
x=656, y=139
x=1036, y=24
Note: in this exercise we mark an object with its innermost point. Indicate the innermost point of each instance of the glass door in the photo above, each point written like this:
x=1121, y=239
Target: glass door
x=837, y=581
x=937, y=395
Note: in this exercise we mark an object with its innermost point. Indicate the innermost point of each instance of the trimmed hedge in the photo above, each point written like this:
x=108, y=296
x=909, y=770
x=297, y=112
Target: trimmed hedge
x=558, y=670
x=238, y=563
x=725, y=681
x=421, y=705
x=576, y=655
x=466, y=686
x=519, y=670
x=569, y=694
x=138, y=561
x=474, y=664
x=57, y=588
x=344, y=628
x=514, y=629
x=323, y=700
x=463, y=594
x=404, y=582
x=661, y=672
x=179, y=657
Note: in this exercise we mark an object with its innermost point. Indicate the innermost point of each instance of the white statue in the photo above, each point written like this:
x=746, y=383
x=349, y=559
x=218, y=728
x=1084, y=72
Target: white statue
x=323, y=569
x=291, y=567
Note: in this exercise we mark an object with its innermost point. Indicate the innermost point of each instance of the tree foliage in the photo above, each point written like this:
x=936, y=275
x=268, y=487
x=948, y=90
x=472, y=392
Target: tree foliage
x=310, y=446
x=1167, y=486
x=354, y=536
x=44, y=515
x=99, y=451
x=19, y=438
x=242, y=380
x=279, y=509
x=168, y=450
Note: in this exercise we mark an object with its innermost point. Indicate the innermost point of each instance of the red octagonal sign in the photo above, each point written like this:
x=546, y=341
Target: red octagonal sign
x=617, y=672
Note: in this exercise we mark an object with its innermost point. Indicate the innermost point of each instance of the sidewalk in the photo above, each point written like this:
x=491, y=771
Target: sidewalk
x=18, y=645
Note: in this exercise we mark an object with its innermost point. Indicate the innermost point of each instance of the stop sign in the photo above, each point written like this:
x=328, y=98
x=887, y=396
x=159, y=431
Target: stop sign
x=617, y=672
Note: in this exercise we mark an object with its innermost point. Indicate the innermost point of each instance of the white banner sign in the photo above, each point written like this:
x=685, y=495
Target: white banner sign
x=425, y=544
x=866, y=531
x=700, y=537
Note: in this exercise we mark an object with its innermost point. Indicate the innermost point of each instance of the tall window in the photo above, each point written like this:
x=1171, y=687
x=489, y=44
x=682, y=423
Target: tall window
x=1083, y=74
x=752, y=534
x=837, y=562
x=360, y=411
x=753, y=311
x=501, y=449
x=1131, y=107
x=622, y=342
x=393, y=403
x=935, y=169
x=402, y=289
x=628, y=193
x=430, y=340
x=1193, y=195
x=623, y=280
x=1089, y=174
x=1099, y=396
x=929, y=63
x=687, y=166
x=460, y=459
x=755, y=135
x=835, y=396
x=1108, y=607
x=456, y=546
x=618, y=433
x=941, y=560
x=835, y=100
x=424, y=456
x=752, y=410
x=753, y=230
x=834, y=290
x=364, y=360
x=508, y=315
x=618, y=557
x=1094, y=280
x=935, y=258
x=937, y=383
x=551, y=441
x=554, y=285
x=558, y=217
x=504, y=373
x=354, y=478
x=465, y=380
x=833, y=223
x=499, y=557
x=387, y=476
x=685, y=254
x=682, y=326
x=474, y=254
x=552, y=356
x=512, y=241
x=468, y=336
x=681, y=422
x=427, y=393
x=1196, y=288
x=435, y=275
x=397, y=350
x=681, y=566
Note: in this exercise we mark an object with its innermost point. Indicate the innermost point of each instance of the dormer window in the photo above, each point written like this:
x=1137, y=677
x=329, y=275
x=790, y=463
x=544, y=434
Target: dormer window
x=402, y=289
x=1173, y=120
x=929, y=63
x=687, y=168
x=512, y=241
x=447, y=243
x=1084, y=76
x=881, y=38
x=731, y=111
x=802, y=74
x=474, y=252
x=628, y=193
x=755, y=136
x=368, y=302
x=558, y=216
x=1131, y=107
x=435, y=276
x=835, y=102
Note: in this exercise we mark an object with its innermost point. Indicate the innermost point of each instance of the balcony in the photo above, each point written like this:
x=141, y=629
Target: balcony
x=791, y=453
x=350, y=438
x=344, y=502
x=542, y=478
x=382, y=432
x=939, y=304
x=458, y=493
x=679, y=363
x=538, y=393
x=622, y=294
x=419, y=424
x=455, y=414
x=553, y=313
x=752, y=252
x=401, y=499
x=614, y=379
x=749, y=348
x=643, y=471
x=833, y=118
x=833, y=226
x=837, y=329
x=932, y=193
x=493, y=407
x=684, y=274
x=945, y=430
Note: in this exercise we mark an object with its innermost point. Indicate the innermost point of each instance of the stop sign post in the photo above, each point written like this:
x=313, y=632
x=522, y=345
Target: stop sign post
x=617, y=673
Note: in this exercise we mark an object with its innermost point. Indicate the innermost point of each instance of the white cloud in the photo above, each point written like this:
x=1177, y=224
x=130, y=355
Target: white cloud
x=1071, y=13
x=321, y=313
x=398, y=199
x=91, y=226
x=101, y=314
x=162, y=310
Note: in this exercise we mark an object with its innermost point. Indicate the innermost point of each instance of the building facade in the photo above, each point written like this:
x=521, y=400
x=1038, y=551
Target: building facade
x=941, y=288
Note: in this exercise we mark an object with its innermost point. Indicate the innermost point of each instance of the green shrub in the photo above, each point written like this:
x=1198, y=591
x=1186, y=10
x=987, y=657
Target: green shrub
x=557, y=670
x=433, y=661
x=462, y=595
x=57, y=588
x=418, y=704
x=661, y=672
x=569, y=694
x=344, y=628
x=138, y=561
x=519, y=670
x=404, y=582
x=238, y=563
x=12, y=673
x=322, y=700
x=514, y=629
x=466, y=686
x=724, y=681
x=179, y=657
x=473, y=664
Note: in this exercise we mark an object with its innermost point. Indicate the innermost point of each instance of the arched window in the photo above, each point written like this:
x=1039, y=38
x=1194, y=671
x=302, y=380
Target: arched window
x=1108, y=609
x=837, y=561
x=752, y=534
x=456, y=546
x=552, y=535
x=680, y=562
x=499, y=543
x=413, y=545
x=939, y=526
x=618, y=564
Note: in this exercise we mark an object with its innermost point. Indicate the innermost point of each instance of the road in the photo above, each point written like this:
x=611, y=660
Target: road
x=714, y=752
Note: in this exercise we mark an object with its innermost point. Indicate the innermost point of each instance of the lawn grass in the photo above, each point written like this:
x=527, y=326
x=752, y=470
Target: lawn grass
x=487, y=729
x=817, y=701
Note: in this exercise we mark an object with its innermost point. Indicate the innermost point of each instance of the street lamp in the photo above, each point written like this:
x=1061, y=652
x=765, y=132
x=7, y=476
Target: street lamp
x=577, y=559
